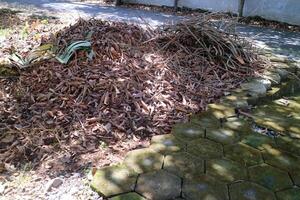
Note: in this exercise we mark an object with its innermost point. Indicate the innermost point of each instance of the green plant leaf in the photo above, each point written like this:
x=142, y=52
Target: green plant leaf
x=72, y=48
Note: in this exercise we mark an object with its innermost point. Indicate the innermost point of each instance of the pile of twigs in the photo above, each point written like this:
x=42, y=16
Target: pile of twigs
x=139, y=83
x=199, y=42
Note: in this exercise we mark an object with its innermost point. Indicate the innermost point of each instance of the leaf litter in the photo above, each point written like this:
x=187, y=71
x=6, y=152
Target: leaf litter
x=139, y=83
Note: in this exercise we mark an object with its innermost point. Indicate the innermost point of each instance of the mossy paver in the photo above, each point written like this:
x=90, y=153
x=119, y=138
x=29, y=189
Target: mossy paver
x=223, y=135
x=165, y=144
x=236, y=100
x=288, y=144
x=159, y=185
x=128, y=196
x=241, y=126
x=114, y=180
x=281, y=159
x=143, y=160
x=244, y=154
x=226, y=170
x=258, y=141
x=221, y=111
x=296, y=177
x=290, y=194
x=270, y=177
x=249, y=191
x=205, y=148
x=273, y=77
x=281, y=115
x=205, y=120
x=188, y=131
x=204, y=187
x=255, y=88
x=184, y=165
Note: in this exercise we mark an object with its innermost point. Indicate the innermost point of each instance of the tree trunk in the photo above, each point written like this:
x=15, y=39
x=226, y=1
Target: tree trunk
x=241, y=8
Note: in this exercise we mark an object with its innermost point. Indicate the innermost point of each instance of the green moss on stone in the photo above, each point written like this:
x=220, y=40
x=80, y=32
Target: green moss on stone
x=205, y=120
x=281, y=159
x=159, y=185
x=204, y=148
x=223, y=135
x=143, y=160
x=244, y=154
x=165, y=144
x=290, y=194
x=258, y=141
x=188, y=131
x=114, y=180
x=221, y=110
x=204, y=187
x=249, y=191
x=184, y=165
x=288, y=144
x=270, y=177
x=226, y=170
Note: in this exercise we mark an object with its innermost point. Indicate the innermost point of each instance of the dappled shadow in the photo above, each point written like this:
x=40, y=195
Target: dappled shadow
x=281, y=115
x=73, y=10
x=278, y=42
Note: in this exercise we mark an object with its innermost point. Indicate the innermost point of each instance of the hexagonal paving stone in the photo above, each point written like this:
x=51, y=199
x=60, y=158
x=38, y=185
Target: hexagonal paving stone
x=226, y=170
x=237, y=124
x=258, y=141
x=223, y=135
x=187, y=131
x=283, y=160
x=205, y=148
x=184, y=165
x=296, y=177
x=270, y=177
x=165, y=144
x=159, y=185
x=114, y=180
x=243, y=154
x=221, y=110
x=249, y=191
x=290, y=194
x=204, y=187
x=143, y=160
x=291, y=145
x=205, y=120
x=128, y=196
x=236, y=100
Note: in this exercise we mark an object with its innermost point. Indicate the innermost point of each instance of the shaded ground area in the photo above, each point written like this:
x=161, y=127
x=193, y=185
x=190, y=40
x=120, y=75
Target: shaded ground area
x=209, y=158
x=282, y=116
x=280, y=43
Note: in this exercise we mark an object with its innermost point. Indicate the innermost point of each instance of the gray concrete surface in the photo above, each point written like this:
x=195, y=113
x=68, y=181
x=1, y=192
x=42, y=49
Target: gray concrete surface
x=279, y=42
x=72, y=10
x=280, y=10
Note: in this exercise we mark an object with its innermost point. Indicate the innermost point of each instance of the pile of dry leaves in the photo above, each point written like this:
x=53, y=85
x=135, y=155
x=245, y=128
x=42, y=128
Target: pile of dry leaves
x=139, y=84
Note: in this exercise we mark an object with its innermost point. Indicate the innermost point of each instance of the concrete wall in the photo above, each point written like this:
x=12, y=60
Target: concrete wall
x=152, y=2
x=279, y=10
x=212, y=5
